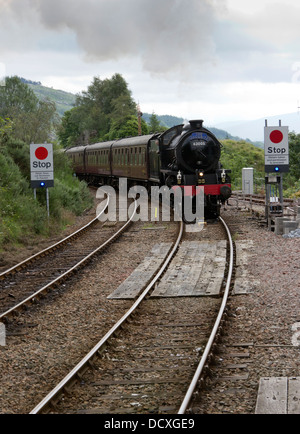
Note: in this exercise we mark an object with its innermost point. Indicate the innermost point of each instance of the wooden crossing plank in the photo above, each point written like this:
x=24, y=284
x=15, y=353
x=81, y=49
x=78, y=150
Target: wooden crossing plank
x=135, y=283
x=244, y=283
x=272, y=396
x=294, y=395
x=197, y=270
x=278, y=395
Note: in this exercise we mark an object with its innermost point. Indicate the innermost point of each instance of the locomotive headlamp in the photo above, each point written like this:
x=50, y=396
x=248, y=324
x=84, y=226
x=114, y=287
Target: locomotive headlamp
x=179, y=178
x=223, y=176
x=201, y=179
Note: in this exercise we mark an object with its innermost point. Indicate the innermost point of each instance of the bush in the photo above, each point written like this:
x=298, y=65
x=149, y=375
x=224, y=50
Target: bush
x=238, y=155
x=22, y=217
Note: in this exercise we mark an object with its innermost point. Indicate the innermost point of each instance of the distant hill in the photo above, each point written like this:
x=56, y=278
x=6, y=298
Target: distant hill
x=65, y=101
x=165, y=120
x=170, y=121
x=254, y=130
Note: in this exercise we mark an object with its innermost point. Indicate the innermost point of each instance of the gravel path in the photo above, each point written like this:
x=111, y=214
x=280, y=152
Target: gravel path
x=262, y=327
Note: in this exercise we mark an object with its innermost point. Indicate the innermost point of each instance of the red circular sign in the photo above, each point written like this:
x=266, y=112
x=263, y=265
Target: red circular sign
x=41, y=153
x=276, y=136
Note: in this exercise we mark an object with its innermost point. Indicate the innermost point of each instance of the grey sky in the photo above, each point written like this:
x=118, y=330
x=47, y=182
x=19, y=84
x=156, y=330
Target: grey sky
x=217, y=59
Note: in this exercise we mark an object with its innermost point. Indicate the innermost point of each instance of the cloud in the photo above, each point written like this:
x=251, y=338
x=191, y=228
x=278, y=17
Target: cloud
x=168, y=35
x=276, y=23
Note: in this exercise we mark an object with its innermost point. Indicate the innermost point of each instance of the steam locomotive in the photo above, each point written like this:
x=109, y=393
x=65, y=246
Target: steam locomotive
x=185, y=156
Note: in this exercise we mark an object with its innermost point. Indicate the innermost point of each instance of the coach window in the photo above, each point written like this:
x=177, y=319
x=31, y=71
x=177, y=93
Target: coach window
x=143, y=158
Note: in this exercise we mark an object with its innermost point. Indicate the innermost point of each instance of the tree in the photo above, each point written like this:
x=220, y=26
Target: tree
x=32, y=120
x=154, y=125
x=5, y=130
x=128, y=129
x=16, y=98
x=100, y=112
x=69, y=131
x=294, y=150
x=291, y=180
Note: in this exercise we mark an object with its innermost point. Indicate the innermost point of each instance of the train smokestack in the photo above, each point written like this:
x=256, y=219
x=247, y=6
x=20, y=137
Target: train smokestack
x=196, y=124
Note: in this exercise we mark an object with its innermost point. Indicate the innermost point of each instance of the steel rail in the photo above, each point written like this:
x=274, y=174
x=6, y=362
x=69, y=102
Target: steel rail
x=53, y=247
x=58, y=390
x=212, y=337
x=63, y=276
x=258, y=199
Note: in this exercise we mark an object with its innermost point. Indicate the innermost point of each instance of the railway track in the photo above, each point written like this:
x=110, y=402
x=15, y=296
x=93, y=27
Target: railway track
x=26, y=282
x=148, y=362
x=260, y=200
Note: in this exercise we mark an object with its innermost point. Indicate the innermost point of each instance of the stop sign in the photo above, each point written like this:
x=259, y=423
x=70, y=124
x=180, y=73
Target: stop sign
x=41, y=165
x=276, y=149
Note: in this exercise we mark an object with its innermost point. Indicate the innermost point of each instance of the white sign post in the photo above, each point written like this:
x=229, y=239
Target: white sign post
x=276, y=161
x=41, y=168
x=276, y=149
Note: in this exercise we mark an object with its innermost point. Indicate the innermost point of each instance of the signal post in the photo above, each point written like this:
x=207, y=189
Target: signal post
x=276, y=163
x=41, y=169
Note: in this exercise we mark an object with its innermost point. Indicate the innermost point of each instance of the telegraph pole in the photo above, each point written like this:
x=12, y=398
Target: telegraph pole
x=140, y=114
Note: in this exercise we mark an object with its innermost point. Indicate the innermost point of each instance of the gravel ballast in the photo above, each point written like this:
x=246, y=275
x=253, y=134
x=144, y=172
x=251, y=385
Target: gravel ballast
x=47, y=340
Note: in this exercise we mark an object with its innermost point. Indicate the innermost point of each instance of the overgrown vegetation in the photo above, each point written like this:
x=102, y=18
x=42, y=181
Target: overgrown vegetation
x=291, y=180
x=239, y=154
x=106, y=111
x=23, y=119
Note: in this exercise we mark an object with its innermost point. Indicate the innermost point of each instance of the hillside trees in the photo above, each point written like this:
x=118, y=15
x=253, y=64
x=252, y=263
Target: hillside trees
x=24, y=119
x=155, y=125
x=32, y=121
x=101, y=113
x=238, y=154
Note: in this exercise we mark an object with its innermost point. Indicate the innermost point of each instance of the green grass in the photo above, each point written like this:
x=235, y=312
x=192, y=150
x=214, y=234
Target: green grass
x=22, y=217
